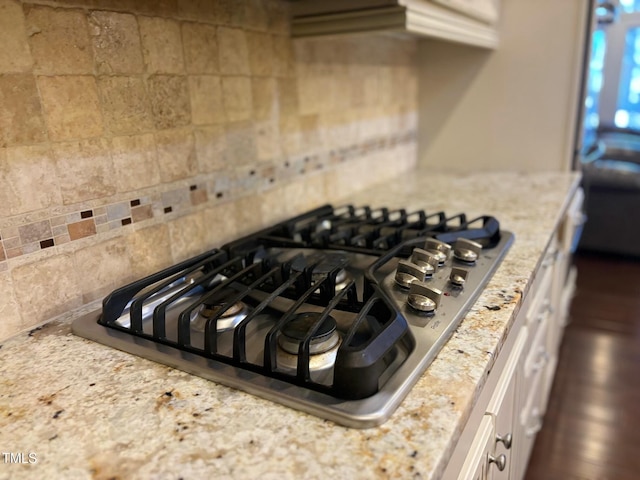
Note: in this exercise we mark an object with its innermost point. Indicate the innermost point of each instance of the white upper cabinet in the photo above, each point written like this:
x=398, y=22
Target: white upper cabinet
x=472, y=22
x=484, y=10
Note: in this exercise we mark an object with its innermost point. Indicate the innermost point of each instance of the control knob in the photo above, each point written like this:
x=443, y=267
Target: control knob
x=408, y=272
x=424, y=298
x=438, y=248
x=458, y=276
x=466, y=250
x=426, y=260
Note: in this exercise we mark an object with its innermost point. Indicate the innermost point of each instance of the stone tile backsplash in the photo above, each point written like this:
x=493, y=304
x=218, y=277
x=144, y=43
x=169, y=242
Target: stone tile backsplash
x=137, y=133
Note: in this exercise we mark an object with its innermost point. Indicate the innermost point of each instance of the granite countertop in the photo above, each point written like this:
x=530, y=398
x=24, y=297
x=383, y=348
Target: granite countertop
x=88, y=411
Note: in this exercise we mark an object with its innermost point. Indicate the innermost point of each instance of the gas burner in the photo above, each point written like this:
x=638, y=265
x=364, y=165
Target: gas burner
x=323, y=344
x=329, y=263
x=229, y=319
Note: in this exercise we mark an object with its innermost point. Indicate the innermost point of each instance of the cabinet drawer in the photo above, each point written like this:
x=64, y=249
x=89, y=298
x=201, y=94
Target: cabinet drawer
x=538, y=355
x=541, y=304
x=530, y=418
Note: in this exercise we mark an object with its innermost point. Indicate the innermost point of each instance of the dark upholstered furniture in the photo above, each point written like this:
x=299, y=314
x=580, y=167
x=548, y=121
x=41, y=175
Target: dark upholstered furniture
x=611, y=180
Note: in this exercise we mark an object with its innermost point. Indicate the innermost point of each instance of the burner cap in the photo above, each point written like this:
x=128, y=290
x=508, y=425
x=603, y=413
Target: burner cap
x=228, y=320
x=297, y=329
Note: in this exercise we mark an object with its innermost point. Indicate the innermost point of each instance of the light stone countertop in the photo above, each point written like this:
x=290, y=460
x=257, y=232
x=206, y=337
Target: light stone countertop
x=89, y=411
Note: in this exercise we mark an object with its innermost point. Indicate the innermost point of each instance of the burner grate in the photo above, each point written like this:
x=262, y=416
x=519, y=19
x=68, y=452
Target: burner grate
x=372, y=329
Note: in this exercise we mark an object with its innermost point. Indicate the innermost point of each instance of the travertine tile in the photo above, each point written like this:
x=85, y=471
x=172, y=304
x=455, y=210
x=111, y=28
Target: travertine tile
x=135, y=162
x=176, y=154
x=200, y=48
x=188, y=236
x=278, y=17
x=310, y=133
x=287, y=89
x=142, y=212
x=236, y=92
x=116, y=43
x=164, y=8
x=290, y=135
x=10, y=320
x=264, y=99
x=283, y=58
x=234, y=55
x=149, y=250
x=211, y=148
x=267, y=140
x=11, y=237
x=58, y=221
x=273, y=207
x=109, y=265
x=71, y=105
x=125, y=105
x=15, y=55
x=199, y=196
x=13, y=252
x=202, y=10
x=161, y=45
x=176, y=200
x=59, y=40
x=206, y=99
x=21, y=119
x=241, y=143
x=335, y=129
x=46, y=288
x=247, y=213
x=82, y=229
x=21, y=168
x=59, y=230
x=118, y=211
x=255, y=15
x=315, y=193
x=170, y=101
x=34, y=232
x=260, y=49
x=62, y=239
x=85, y=170
x=314, y=94
x=220, y=225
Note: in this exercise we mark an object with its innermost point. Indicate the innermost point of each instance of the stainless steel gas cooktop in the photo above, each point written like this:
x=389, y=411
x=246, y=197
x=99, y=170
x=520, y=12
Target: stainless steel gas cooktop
x=336, y=312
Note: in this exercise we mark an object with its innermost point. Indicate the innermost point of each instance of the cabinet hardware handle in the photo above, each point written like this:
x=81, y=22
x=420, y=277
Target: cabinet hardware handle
x=550, y=259
x=531, y=431
x=506, y=440
x=543, y=357
x=500, y=461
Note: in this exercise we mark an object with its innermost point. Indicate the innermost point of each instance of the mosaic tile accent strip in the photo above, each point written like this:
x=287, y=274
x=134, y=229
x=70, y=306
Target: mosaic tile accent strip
x=178, y=199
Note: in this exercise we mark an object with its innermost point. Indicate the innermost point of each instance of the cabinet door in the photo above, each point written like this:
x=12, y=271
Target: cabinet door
x=475, y=465
x=503, y=407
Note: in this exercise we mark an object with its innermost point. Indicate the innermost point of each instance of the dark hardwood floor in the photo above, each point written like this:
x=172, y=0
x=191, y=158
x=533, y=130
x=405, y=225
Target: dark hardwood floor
x=592, y=425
